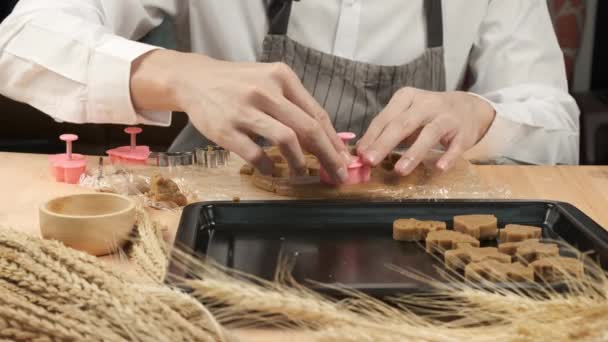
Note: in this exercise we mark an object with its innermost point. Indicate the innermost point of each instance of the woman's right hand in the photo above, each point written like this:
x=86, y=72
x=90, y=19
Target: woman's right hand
x=232, y=102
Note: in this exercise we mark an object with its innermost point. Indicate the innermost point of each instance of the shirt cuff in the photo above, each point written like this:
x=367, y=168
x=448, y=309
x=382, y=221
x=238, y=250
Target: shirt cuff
x=489, y=147
x=109, y=94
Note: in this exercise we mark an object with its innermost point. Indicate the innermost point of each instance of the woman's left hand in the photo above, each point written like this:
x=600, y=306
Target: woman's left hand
x=457, y=120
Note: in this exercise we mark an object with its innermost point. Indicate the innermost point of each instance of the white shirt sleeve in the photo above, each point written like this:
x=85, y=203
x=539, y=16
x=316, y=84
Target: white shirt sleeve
x=518, y=67
x=72, y=58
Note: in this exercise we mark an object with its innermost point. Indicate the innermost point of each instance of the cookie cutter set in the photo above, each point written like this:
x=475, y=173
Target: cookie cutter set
x=203, y=157
x=68, y=167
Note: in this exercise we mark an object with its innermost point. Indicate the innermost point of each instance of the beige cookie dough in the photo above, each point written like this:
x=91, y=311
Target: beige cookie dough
x=247, y=170
x=495, y=271
x=530, y=252
x=415, y=230
x=481, y=227
x=511, y=247
x=165, y=190
x=443, y=240
x=518, y=232
x=554, y=269
x=457, y=259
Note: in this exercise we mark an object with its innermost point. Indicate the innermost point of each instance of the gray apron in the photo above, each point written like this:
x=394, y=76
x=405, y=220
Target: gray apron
x=351, y=92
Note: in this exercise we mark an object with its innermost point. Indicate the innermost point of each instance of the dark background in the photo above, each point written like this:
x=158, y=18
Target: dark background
x=6, y=8
x=599, y=79
x=24, y=129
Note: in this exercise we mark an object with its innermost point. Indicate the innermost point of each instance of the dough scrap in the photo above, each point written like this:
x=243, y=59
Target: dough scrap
x=165, y=190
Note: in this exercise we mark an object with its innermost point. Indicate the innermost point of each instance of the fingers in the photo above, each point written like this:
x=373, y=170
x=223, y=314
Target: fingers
x=455, y=150
x=295, y=92
x=308, y=131
x=280, y=135
x=430, y=135
x=314, y=139
x=394, y=133
x=399, y=103
x=253, y=154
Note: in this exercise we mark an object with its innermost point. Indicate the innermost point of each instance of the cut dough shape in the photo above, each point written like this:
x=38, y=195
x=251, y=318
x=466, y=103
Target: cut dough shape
x=313, y=165
x=389, y=162
x=518, y=232
x=263, y=182
x=247, y=170
x=443, y=240
x=554, y=269
x=457, y=259
x=415, y=230
x=481, y=227
x=495, y=271
x=281, y=170
x=310, y=186
x=511, y=247
x=530, y=252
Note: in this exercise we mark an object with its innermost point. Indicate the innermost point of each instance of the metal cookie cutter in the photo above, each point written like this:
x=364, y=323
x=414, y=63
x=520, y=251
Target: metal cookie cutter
x=212, y=156
x=170, y=159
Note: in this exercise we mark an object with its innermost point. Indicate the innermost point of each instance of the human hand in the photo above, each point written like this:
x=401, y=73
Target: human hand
x=231, y=103
x=457, y=120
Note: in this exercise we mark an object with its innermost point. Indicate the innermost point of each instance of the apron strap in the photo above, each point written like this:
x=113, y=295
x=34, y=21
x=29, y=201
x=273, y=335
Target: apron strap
x=278, y=12
x=434, y=23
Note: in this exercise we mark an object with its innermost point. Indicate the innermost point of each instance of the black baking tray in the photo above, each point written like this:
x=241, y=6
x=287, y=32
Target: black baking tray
x=350, y=242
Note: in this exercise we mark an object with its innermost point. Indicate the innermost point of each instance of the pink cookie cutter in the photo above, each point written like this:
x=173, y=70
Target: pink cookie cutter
x=131, y=154
x=68, y=167
x=358, y=172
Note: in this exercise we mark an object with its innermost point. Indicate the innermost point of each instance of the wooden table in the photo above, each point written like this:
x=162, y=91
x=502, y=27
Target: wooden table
x=25, y=184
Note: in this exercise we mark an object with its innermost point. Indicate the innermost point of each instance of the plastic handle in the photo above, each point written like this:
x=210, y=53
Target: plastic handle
x=346, y=137
x=133, y=131
x=68, y=138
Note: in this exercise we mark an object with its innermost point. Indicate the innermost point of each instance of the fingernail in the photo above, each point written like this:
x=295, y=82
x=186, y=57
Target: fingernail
x=403, y=165
x=371, y=156
x=442, y=165
x=342, y=175
x=346, y=156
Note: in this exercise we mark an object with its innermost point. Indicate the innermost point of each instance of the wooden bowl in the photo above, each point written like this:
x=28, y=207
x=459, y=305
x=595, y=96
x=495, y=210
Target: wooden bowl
x=95, y=223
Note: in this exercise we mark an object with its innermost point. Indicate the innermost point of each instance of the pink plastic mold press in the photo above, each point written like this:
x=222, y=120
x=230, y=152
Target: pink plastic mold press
x=358, y=172
x=68, y=167
x=131, y=154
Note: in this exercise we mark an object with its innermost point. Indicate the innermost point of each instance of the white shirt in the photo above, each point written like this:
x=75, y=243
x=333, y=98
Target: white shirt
x=72, y=58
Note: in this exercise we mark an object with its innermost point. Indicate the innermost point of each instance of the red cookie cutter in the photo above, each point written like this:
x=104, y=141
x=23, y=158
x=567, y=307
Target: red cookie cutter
x=68, y=167
x=131, y=154
x=358, y=172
